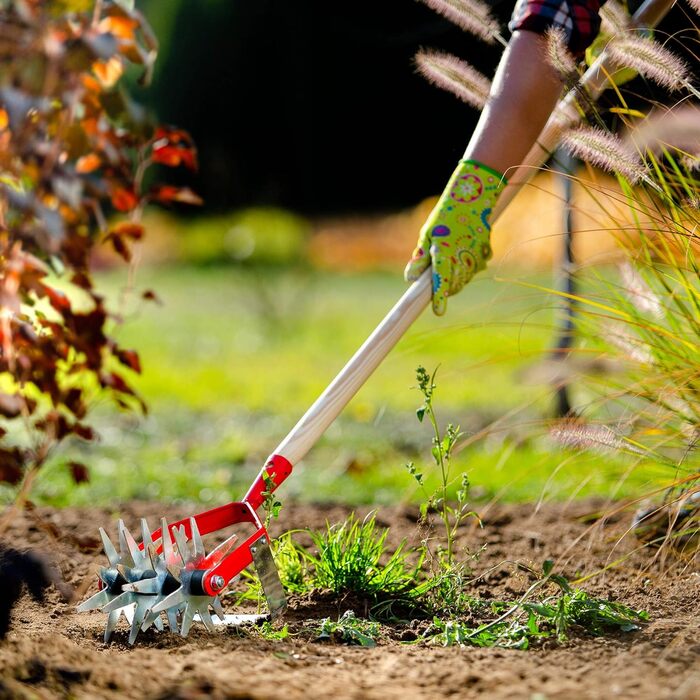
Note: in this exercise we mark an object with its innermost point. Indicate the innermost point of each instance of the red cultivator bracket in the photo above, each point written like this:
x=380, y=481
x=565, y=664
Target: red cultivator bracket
x=169, y=571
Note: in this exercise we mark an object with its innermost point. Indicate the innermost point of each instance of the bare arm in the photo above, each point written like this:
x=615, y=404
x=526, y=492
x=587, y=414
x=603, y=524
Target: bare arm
x=524, y=92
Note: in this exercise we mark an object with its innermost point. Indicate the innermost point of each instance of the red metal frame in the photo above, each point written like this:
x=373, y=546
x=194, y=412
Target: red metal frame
x=275, y=471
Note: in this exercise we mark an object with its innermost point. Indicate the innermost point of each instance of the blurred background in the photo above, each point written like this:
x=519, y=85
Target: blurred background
x=321, y=154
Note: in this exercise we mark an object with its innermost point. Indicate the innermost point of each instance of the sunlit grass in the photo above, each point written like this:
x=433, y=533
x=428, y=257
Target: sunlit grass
x=233, y=357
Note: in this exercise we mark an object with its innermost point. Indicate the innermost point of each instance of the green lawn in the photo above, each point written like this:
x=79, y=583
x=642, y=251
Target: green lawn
x=234, y=356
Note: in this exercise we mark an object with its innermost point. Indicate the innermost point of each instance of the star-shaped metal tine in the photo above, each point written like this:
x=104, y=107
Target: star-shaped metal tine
x=141, y=583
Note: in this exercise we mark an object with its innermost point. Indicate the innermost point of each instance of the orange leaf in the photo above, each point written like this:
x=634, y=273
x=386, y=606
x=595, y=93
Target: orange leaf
x=108, y=72
x=90, y=83
x=129, y=229
x=88, y=163
x=4, y=119
x=121, y=26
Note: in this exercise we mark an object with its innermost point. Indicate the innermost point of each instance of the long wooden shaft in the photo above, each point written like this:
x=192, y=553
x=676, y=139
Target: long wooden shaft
x=333, y=400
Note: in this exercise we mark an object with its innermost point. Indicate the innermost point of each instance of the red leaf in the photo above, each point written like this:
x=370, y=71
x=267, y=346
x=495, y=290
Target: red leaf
x=172, y=134
x=56, y=298
x=82, y=280
x=79, y=472
x=11, y=465
x=121, y=247
x=116, y=382
x=167, y=193
x=129, y=358
x=83, y=431
x=150, y=295
x=166, y=154
x=123, y=199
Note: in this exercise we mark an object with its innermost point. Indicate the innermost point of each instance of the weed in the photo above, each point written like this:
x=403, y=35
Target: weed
x=267, y=630
x=444, y=592
x=271, y=505
x=350, y=556
x=349, y=630
x=527, y=620
x=443, y=444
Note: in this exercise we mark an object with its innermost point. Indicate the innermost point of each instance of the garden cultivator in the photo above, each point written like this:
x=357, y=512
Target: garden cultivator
x=169, y=571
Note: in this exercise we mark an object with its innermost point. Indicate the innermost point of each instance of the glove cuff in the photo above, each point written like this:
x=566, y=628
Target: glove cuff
x=475, y=165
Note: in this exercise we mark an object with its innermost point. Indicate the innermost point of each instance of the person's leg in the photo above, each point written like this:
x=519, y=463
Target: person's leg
x=524, y=92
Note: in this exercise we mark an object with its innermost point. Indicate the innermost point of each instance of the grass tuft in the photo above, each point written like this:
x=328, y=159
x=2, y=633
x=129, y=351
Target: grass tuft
x=352, y=558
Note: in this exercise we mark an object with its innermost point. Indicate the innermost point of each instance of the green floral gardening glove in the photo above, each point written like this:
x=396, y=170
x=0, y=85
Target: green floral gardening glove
x=455, y=238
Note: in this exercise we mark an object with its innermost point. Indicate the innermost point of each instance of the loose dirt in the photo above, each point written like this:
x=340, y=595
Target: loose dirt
x=53, y=651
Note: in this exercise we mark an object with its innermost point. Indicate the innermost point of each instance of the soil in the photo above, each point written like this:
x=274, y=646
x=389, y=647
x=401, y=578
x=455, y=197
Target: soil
x=52, y=651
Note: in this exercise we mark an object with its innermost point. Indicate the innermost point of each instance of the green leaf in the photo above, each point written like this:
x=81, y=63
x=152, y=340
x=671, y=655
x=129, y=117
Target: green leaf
x=420, y=413
x=547, y=567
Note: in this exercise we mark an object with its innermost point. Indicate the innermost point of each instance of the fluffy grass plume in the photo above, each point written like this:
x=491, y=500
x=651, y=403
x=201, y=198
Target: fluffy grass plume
x=614, y=17
x=650, y=60
x=454, y=75
x=605, y=150
x=558, y=54
x=584, y=436
x=678, y=128
x=632, y=347
x=639, y=292
x=471, y=15
x=695, y=4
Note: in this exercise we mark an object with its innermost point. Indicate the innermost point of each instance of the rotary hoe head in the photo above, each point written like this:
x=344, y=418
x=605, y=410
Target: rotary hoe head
x=168, y=578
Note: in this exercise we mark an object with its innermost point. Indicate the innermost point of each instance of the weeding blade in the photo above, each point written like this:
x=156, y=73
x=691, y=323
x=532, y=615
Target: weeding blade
x=120, y=601
x=170, y=557
x=124, y=553
x=181, y=543
x=110, y=551
x=205, y=617
x=221, y=551
x=146, y=586
x=139, y=616
x=187, y=618
x=172, y=619
x=269, y=578
x=96, y=601
x=218, y=608
x=174, y=600
x=112, y=620
x=146, y=538
x=197, y=543
x=136, y=554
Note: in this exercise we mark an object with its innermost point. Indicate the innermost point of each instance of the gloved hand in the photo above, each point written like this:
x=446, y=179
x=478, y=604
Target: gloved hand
x=455, y=238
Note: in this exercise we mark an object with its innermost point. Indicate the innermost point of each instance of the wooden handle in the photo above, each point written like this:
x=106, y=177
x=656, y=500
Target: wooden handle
x=356, y=372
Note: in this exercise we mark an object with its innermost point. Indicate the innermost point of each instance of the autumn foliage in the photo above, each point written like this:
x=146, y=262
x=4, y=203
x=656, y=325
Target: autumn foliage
x=75, y=151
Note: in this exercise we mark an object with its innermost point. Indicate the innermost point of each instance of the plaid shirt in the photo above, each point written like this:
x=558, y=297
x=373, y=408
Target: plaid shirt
x=578, y=18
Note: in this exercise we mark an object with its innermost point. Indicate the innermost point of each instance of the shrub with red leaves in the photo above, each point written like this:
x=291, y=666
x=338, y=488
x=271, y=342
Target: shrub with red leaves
x=74, y=152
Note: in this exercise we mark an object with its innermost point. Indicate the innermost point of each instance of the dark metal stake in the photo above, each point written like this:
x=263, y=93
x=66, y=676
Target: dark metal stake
x=566, y=280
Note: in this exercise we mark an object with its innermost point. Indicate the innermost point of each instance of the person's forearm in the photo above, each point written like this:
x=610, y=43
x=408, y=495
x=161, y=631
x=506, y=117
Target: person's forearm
x=524, y=92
